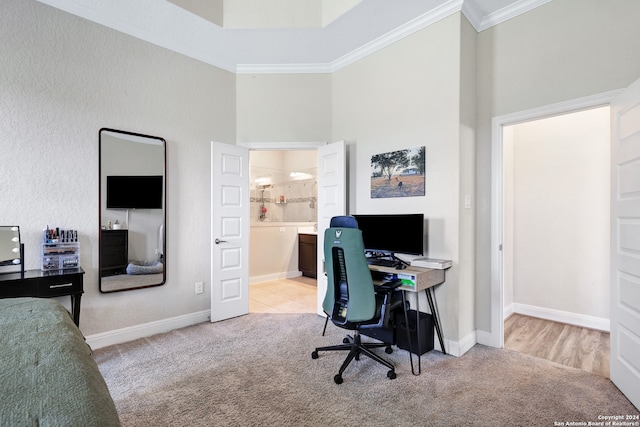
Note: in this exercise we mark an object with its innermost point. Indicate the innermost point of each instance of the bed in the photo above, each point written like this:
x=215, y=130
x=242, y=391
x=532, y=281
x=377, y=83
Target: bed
x=47, y=373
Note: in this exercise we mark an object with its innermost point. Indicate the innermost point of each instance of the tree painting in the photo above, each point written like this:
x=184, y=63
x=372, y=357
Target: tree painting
x=398, y=173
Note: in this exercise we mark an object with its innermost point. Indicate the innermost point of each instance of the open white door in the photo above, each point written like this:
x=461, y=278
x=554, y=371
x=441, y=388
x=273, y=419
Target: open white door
x=332, y=201
x=229, y=231
x=625, y=243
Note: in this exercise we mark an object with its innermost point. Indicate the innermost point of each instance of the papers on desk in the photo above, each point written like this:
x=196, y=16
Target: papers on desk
x=439, y=264
x=423, y=261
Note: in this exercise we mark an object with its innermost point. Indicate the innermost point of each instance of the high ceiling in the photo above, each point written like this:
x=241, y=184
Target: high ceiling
x=262, y=14
x=320, y=37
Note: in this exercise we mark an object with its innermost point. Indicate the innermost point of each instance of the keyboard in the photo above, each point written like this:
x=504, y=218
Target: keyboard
x=382, y=262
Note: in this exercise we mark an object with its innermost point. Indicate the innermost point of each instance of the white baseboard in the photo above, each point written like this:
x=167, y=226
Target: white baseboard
x=485, y=338
x=582, y=320
x=131, y=333
x=275, y=276
x=508, y=311
x=458, y=348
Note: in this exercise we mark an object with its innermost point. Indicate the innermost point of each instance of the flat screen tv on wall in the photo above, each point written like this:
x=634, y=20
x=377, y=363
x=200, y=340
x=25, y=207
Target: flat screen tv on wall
x=134, y=192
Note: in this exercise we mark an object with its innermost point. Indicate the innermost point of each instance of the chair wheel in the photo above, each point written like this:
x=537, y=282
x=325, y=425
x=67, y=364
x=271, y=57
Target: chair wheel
x=391, y=374
x=388, y=350
x=314, y=354
x=345, y=340
x=338, y=379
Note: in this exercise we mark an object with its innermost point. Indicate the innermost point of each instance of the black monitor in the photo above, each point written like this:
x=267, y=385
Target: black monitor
x=385, y=235
x=134, y=192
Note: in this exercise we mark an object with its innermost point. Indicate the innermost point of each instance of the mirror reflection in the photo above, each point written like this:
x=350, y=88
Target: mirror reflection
x=10, y=245
x=132, y=210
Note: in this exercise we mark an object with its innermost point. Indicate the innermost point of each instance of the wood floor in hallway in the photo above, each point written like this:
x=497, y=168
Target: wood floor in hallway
x=569, y=345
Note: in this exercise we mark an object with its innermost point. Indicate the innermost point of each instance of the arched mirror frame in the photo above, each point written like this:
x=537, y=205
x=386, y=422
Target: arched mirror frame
x=140, y=267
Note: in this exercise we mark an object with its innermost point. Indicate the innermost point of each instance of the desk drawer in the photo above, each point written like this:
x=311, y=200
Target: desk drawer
x=59, y=286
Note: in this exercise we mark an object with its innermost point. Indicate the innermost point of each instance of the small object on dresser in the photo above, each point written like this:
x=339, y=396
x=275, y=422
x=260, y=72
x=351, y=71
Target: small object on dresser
x=60, y=250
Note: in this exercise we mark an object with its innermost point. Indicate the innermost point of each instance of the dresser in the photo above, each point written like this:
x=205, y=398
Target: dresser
x=45, y=284
x=114, y=252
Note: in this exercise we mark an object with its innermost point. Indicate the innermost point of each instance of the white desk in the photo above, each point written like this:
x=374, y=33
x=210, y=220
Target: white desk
x=417, y=279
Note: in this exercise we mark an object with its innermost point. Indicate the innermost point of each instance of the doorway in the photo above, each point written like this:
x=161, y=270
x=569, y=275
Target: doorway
x=283, y=197
x=556, y=236
x=499, y=259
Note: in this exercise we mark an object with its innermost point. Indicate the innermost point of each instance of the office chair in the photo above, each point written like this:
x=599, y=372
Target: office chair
x=351, y=301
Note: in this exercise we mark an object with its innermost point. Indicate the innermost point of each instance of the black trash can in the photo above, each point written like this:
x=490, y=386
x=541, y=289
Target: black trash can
x=426, y=332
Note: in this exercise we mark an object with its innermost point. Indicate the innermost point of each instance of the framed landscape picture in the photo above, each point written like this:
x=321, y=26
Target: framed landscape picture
x=398, y=173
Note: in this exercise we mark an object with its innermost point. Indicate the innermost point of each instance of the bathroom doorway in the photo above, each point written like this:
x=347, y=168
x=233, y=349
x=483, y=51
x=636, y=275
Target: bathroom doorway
x=283, y=204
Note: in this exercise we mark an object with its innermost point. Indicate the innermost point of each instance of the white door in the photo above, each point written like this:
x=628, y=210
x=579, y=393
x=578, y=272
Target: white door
x=625, y=243
x=332, y=201
x=229, y=231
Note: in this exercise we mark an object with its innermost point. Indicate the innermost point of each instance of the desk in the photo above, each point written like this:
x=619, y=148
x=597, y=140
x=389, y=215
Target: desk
x=422, y=279
x=45, y=284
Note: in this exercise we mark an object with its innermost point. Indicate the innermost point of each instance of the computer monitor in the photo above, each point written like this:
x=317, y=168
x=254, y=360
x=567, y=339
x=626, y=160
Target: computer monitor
x=386, y=235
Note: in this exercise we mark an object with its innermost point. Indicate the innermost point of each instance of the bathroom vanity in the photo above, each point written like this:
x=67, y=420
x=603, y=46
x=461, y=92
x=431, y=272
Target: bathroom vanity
x=308, y=254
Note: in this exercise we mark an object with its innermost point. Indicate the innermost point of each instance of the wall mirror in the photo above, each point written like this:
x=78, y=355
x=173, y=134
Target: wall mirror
x=132, y=211
x=10, y=253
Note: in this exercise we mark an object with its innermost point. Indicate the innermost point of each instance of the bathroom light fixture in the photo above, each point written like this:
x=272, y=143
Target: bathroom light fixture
x=300, y=175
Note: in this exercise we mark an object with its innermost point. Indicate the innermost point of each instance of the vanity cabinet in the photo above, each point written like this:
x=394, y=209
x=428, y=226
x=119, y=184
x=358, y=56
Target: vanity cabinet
x=308, y=254
x=114, y=252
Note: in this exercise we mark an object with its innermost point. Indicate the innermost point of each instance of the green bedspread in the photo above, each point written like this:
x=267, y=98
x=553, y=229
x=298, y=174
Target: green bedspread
x=47, y=374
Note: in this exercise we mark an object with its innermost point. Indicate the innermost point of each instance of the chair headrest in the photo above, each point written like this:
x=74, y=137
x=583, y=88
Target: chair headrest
x=344, y=222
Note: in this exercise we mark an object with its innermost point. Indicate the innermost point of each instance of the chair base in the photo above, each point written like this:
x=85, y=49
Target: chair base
x=356, y=347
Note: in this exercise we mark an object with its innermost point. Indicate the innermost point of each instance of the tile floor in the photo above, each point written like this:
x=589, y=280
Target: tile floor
x=295, y=295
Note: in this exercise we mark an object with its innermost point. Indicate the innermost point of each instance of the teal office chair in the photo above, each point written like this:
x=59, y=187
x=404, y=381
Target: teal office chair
x=352, y=302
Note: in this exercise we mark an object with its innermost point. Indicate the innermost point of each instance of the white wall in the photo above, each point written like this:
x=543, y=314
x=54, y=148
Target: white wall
x=563, y=50
x=284, y=108
x=64, y=78
x=273, y=251
x=405, y=96
x=560, y=212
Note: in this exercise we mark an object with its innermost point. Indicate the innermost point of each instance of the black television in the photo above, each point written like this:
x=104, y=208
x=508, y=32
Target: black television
x=134, y=192
x=386, y=235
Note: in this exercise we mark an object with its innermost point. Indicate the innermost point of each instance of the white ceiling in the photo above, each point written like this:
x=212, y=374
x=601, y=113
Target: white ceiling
x=367, y=27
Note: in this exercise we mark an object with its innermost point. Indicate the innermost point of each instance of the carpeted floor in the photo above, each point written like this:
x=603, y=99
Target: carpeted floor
x=257, y=370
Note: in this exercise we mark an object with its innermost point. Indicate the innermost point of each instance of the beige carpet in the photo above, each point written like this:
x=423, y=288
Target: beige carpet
x=257, y=370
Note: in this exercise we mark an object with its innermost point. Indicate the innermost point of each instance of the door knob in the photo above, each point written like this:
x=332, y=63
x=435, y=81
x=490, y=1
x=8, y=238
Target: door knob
x=218, y=241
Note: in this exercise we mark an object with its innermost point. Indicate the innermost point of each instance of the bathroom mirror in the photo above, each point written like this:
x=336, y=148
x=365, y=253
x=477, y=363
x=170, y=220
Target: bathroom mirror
x=10, y=246
x=132, y=212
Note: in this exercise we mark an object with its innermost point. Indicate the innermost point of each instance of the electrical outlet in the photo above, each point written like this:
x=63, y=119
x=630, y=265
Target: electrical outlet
x=199, y=287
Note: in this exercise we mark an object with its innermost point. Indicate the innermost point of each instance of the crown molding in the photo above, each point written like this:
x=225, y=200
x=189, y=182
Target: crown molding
x=508, y=12
x=473, y=13
x=117, y=15
x=212, y=45
x=469, y=8
x=417, y=24
x=283, y=69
